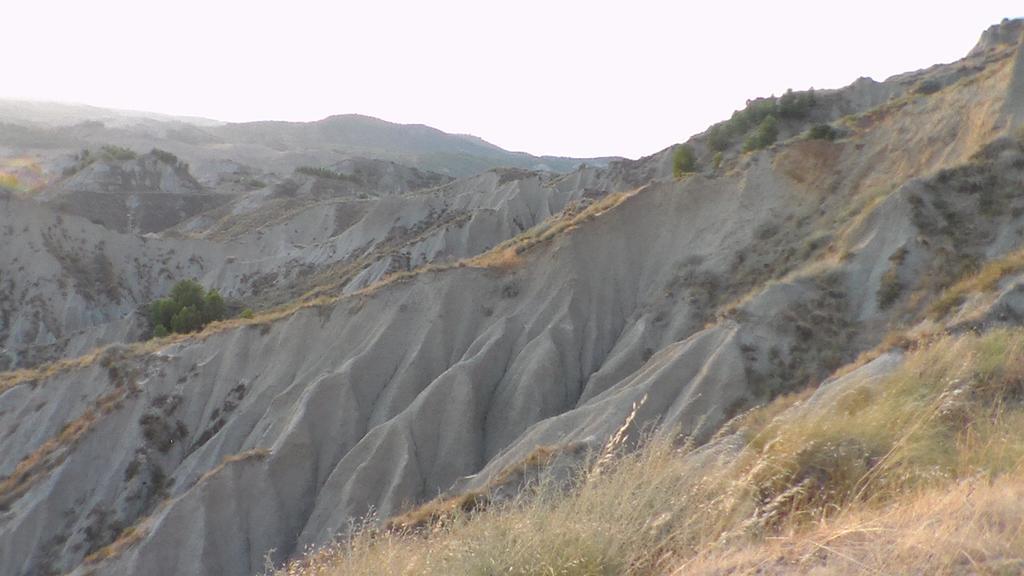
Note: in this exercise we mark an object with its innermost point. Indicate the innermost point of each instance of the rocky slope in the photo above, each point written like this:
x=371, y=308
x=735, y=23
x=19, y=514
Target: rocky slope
x=447, y=333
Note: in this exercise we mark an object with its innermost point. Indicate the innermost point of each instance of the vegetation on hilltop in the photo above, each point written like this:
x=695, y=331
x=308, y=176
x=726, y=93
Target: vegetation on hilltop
x=760, y=115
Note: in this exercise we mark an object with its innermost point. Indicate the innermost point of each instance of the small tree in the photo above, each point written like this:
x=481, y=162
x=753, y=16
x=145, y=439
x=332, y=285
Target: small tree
x=186, y=320
x=187, y=309
x=684, y=160
x=718, y=137
x=213, y=307
x=796, y=104
x=822, y=132
x=765, y=135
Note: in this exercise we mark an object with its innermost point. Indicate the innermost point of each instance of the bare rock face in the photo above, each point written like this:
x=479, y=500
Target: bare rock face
x=1006, y=33
x=439, y=333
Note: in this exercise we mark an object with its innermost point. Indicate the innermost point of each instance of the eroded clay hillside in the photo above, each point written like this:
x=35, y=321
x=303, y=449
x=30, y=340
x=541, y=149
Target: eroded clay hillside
x=430, y=342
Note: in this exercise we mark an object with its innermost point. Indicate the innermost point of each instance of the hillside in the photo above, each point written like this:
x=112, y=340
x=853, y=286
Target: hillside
x=782, y=346
x=49, y=134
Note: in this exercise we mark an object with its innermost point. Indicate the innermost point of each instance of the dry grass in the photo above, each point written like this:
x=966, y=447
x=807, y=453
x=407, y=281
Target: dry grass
x=128, y=538
x=984, y=280
x=51, y=453
x=973, y=527
x=504, y=259
x=254, y=454
x=916, y=472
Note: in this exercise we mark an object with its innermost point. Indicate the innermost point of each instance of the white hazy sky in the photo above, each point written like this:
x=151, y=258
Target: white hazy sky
x=580, y=78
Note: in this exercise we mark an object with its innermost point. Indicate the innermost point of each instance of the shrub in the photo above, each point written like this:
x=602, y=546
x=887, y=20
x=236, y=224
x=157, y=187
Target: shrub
x=792, y=105
x=247, y=314
x=168, y=158
x=718, y=137
x=927, y=87
x=822, y=132
x=796, y=105
x=890, y=288
x=320, y=172
x=118, y=153
x=716, y=162
x=765, y=135
x=684, y=160
x=164, y=156
x=188, y=309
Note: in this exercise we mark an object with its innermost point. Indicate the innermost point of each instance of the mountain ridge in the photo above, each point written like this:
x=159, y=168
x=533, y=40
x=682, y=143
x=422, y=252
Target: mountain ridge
x=471, y=325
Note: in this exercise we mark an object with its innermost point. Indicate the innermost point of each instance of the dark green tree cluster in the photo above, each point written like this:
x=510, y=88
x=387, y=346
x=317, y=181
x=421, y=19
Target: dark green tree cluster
x=188, y=309
x=765, y=135
x=796, y=105
x=684, y=160
x=822, y=132
x=117, y=153
x=321, y=172
x=792, y=105
x=168, y=158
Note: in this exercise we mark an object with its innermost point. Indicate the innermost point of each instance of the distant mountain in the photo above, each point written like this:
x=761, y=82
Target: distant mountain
x=64, y=114
x=56, y=129
x=413, y=144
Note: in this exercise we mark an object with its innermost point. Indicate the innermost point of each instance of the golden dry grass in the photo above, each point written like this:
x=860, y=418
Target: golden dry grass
x=984, y=280
x=971, y=527
x=916, y=472
x=38, y=464
x=9, y=180
x=128, y=538
x=255, y=454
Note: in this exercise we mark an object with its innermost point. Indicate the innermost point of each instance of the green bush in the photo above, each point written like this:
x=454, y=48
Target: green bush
x=792, y=105
x=168, y=158
x=716, y=161
x=822, y=132
x=889, y=289
x=684, y=160
x=117, y=153
x=320, y=172
x=247, y=314
x=926, y=87
x=765, y=135
x=718, y=137
x=188, y=309
x=796, y=104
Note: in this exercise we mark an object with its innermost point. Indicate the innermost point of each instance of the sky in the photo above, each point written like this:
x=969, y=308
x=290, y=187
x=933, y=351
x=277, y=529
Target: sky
x=569, y=78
